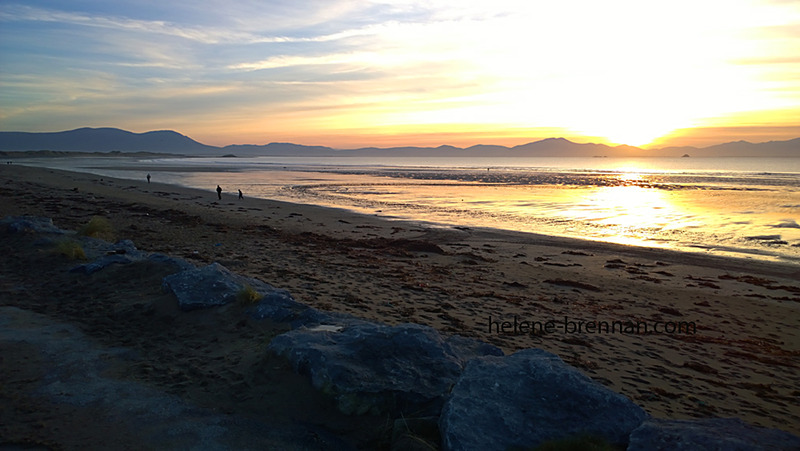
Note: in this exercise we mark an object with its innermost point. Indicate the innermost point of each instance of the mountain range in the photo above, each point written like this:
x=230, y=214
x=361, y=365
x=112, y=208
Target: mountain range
x=169, y=142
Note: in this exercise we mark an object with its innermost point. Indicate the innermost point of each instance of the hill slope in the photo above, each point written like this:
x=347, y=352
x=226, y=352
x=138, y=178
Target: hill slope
x=165, y=141
x=103, y=140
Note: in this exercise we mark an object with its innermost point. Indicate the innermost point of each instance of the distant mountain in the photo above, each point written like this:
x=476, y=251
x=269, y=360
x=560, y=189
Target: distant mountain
x=116, y=140
x=103, y=140
x=277, y=150
x=789, y=148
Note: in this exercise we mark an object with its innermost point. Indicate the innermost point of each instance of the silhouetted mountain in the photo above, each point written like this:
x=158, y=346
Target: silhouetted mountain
x=277, y=150
x=560, y=147
x=789, y=148
x=103, y=140
x=112, y=139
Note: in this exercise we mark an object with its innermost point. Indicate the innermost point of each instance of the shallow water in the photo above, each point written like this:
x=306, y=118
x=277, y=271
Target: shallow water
x=729, y=206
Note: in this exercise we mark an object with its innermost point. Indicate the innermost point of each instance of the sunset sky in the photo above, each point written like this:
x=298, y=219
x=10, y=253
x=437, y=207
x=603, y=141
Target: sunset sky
x=356, y=73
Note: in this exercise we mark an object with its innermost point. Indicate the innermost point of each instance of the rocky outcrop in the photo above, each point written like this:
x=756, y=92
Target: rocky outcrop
x=122, y=252
x=709, y=434
x=369, y=367
x=528, y=398
x=30, y=224
x=215, y=285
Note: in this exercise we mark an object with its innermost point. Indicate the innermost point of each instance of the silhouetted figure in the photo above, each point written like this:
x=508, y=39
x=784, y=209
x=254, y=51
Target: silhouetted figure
x=219, y=192
x=148, y=178
x=240, y=195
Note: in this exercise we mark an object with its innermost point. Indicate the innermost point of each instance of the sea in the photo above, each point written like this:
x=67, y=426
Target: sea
x=742, y=207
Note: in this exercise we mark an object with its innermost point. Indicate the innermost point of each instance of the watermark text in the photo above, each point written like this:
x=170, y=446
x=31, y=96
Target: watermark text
x=522, y=326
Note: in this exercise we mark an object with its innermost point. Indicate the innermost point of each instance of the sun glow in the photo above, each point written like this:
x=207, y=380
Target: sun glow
x=363, y=73
x=621, y=80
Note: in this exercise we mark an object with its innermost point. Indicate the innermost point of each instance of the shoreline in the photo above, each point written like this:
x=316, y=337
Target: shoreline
x=754, y=264
x=751, y=245
x=743, y=360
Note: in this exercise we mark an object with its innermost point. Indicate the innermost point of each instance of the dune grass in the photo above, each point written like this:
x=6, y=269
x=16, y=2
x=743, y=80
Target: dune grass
x=248, y=295
x=98, y=227
x=70, y=249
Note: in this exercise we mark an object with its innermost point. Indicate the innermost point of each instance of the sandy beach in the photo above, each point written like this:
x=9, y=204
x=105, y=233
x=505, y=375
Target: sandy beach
x=726, y=341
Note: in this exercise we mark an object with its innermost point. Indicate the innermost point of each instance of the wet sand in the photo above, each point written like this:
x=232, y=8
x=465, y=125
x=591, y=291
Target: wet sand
x=743, y=359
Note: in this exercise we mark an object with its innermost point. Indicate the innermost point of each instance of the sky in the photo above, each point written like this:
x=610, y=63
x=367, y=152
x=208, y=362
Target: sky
x=391, y=73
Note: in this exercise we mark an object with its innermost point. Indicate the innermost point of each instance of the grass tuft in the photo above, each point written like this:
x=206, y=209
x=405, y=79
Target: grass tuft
x=98, y=227
x=248, y=295
x=71, y=249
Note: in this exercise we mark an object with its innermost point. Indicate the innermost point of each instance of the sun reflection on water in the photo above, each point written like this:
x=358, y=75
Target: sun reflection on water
x=629, y=214
x=627, y=206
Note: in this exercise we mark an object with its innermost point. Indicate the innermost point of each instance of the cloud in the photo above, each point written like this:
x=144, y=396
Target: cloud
x=578, y=65
x=159, y=27
x=787, y=224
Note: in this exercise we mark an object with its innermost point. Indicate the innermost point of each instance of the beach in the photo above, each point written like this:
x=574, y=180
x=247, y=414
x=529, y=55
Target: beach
x=684, y=335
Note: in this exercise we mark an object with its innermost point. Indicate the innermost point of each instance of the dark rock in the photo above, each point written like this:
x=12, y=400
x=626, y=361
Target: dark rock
x=718, y=434
x=30, y=224
x=179, y=263
x=124, y=247
x=415, y=434
x=122, y=252
x=528, y=398
x=369, y=367
x=278, y=306
x=101, y=263
x=311, y=317
x=211, y=286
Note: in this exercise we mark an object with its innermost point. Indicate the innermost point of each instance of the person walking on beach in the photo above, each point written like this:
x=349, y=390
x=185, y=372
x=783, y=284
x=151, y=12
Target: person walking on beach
x=219, y=192
x=240, y=195
x=148, y=178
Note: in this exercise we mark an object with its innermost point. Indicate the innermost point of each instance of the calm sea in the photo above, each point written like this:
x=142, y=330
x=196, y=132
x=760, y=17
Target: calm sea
x=728, y=206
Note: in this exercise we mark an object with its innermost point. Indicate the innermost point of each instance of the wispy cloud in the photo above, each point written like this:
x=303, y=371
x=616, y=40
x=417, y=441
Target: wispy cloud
x=206, y=35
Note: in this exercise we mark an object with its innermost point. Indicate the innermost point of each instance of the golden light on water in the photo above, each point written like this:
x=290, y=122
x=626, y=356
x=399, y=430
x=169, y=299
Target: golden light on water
x=628, y=177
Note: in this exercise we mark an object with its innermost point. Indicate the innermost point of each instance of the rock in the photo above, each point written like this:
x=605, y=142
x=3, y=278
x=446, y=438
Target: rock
x=278, y=306
x=722, y=434
x=415, y=434
x=528, y=398
x=214, y=285
x=376, y=368
x=100, y=263
x=30, y=224
x=311, y=317
x=122, y=252
x=179, y=263
x=125, y=247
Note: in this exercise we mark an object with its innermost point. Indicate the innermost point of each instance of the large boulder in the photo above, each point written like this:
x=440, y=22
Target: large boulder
x=102, y=263
x=709, y=434
x=374, y=368
x=214, y=285
x=528, y=398
x=279, y=306
x=30, y=224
